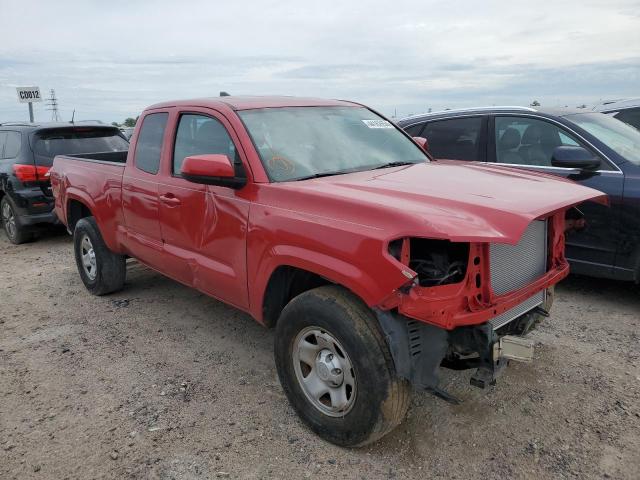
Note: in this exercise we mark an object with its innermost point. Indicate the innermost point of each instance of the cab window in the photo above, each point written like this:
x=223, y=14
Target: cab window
x=200, y=135
x=149, y=145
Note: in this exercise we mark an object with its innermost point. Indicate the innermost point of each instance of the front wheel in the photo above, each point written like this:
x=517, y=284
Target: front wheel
x=336, y=369
x=101, y=270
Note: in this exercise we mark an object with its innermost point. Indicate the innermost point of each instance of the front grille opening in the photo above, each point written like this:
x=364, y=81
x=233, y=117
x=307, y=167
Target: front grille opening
x=515, y=266
x=438, y=262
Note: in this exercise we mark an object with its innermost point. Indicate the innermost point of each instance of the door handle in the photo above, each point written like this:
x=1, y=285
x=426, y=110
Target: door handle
x=170, y=199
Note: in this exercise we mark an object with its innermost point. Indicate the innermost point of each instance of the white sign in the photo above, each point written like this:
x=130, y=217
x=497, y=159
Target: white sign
x=29, y=94
x=377, y=124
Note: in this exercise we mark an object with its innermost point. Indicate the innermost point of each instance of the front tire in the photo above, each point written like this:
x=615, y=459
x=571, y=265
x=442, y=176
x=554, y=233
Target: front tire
x=101, y=270
x=16, y=233
x=336, y=369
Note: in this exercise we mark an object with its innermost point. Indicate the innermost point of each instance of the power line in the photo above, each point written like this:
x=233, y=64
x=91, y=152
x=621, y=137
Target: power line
x=52, y=103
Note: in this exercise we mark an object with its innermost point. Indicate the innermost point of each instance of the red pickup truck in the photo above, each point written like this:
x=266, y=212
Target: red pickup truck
x=375, y=264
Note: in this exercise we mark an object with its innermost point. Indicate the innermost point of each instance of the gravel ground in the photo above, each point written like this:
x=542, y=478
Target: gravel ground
x=159, y=381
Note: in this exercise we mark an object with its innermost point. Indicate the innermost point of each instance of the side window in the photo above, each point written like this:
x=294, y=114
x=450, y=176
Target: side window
x=3, y=137
x=529, y=141
x=455, y=139
x=566, y=140
x=630, y=116
x=200, y=135
x=415, y=130
x=12, y=144
x=149, y=146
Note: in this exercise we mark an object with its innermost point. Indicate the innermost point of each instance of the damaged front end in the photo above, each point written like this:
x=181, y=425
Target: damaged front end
x=469, y=305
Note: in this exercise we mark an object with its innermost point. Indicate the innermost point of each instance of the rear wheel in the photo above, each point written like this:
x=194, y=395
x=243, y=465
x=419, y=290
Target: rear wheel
x=16, y=233
x=336, y=369
x=101, y=270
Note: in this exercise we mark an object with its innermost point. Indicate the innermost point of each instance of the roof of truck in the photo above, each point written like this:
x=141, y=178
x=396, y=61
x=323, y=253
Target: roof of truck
x=251, y=102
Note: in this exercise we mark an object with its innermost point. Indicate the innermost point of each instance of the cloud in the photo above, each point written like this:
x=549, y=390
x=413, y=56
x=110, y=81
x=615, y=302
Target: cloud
x=110, y=61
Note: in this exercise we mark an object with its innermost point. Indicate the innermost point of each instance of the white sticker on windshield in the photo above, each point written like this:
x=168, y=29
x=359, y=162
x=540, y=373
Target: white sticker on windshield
x=377, y=124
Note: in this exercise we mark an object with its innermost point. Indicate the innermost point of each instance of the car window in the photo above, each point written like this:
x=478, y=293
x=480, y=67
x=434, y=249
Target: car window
x=149, y=146
x=630, y=116
x=454, y=139
x=415, y=130
x=3, y=136
x=50, y=142
x=12, y=143
x=566, y=140
x=529, y=141
x=618, y=136
x=199, y=135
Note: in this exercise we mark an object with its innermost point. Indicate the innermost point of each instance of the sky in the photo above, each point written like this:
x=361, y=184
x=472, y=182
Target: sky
x=109, y=60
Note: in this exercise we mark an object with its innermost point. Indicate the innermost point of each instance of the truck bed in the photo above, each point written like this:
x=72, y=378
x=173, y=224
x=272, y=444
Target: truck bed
x=94, y=179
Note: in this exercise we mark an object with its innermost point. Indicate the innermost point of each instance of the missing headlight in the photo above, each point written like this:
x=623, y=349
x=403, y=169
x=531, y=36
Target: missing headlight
x=437, y=262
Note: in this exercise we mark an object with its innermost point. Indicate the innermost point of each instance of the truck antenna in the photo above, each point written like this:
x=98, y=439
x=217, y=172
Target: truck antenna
x=73, y=115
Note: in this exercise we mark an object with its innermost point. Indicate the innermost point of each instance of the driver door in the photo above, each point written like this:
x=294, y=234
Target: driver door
x=204, y=226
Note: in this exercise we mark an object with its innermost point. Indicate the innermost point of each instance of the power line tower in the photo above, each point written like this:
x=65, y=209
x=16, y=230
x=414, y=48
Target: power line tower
x=52, y=103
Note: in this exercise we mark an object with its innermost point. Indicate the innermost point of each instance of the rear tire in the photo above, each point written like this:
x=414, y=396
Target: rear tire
x=345, y=331
x=16, y=233
x=101, y=270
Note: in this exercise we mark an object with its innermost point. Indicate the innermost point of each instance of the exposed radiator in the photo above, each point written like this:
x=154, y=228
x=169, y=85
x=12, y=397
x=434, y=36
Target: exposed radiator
x=515, y=266
x=515, y=312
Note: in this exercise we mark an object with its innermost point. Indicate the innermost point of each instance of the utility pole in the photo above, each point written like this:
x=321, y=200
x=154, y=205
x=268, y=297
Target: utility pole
x=52, y=103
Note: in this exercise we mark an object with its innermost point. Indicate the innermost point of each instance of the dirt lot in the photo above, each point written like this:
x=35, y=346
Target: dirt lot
x=159, y=381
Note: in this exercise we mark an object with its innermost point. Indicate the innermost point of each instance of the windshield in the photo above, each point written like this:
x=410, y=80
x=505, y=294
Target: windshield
x=295, y=143
x=617, y=135
x=69, y=141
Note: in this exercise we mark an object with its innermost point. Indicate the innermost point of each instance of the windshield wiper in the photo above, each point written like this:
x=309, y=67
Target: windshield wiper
x=322, y=174
x=342, y=172
x=394, y=164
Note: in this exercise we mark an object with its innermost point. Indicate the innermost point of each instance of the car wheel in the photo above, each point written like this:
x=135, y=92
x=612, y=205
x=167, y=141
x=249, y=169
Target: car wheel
x=101, y=270
x=336, y=369
x=16, y=233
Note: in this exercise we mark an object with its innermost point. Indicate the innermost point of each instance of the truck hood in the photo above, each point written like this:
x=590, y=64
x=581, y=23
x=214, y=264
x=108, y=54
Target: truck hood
x=458, y=201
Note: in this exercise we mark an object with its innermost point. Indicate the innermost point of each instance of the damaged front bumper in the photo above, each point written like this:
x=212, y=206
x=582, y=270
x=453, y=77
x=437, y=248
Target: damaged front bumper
x=419, y=349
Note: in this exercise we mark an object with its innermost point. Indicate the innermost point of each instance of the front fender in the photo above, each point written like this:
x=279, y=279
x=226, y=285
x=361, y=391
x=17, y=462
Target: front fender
x=365, y=284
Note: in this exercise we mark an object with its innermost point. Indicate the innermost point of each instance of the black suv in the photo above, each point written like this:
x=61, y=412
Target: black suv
x=26, y=155
x=591, y=148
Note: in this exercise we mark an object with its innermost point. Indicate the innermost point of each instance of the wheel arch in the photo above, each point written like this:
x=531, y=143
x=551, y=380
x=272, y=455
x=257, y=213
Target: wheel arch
x=76, y=210
x=285, y=283
x=292, y=276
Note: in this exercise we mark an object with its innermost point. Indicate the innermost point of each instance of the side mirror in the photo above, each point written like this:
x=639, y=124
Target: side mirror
x=422, y=142
x=574, y=157
x=211, y=169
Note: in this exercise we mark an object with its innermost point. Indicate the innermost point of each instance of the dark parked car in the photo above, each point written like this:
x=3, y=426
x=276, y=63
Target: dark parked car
x=591, y=148
x=26, y=155
x=627, y=111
